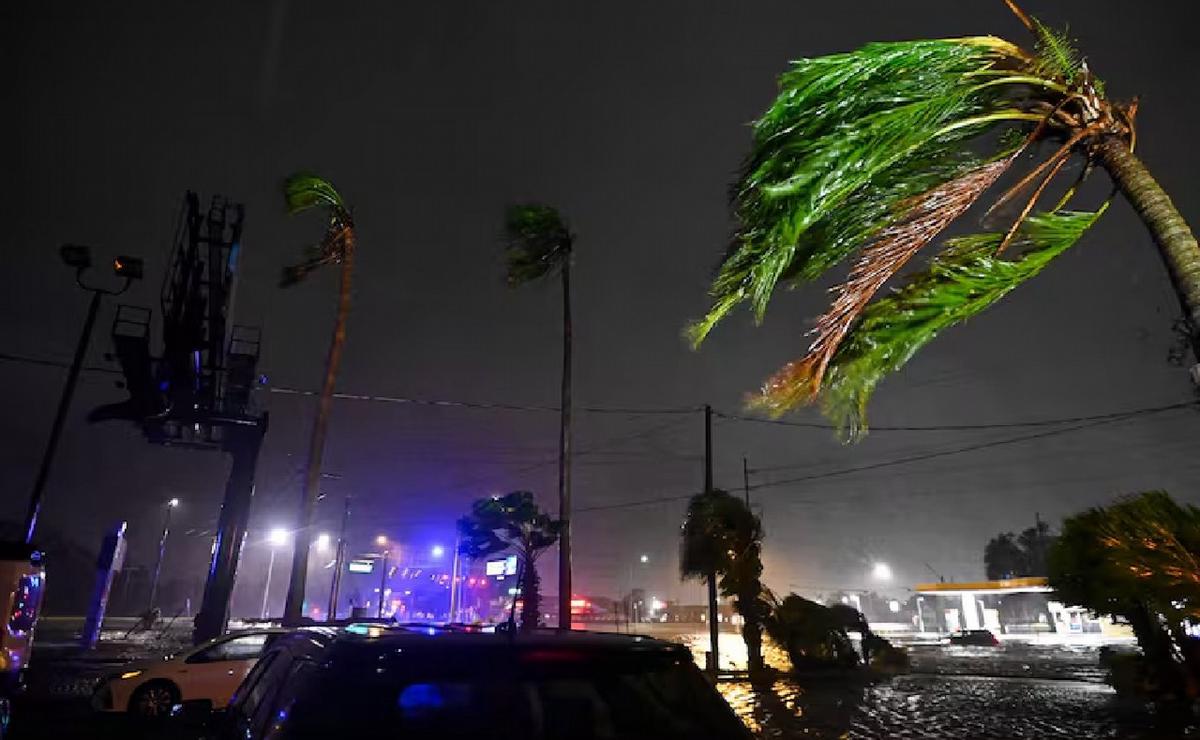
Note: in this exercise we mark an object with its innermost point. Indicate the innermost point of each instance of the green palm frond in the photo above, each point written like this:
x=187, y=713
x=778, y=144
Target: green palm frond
x=304, y=190
x=867, y=157
x=848, y=141
x=959, y=283
x=537, y=242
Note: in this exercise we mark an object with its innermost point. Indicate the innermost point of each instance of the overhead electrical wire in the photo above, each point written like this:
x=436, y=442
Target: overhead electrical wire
x=651, y=411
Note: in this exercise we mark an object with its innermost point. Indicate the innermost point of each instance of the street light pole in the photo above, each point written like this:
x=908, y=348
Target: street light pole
x=339, y=563
x=267, y=589
x=162, y=549
x=383, y=582
x=454, y=588
x=80, y=258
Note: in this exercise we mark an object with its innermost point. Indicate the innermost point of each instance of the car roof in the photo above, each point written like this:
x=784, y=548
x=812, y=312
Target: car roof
x=378, y=638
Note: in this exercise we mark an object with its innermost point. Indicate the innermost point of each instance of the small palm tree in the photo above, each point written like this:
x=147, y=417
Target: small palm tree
x=722, y=539
x=870, y=155
x=303, y=191
x=512, y=523
x=538, y=244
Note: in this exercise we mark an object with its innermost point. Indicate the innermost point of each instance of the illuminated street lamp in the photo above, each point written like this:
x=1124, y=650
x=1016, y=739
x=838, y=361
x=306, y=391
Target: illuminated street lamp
x=162, y=549
x=645, y=559
x=882, y=572
x=323, y=541
x=437, y=551
x=381, y=540
x=276, y=538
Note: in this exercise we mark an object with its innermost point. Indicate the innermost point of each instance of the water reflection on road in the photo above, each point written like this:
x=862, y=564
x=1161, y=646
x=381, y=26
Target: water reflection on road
x=932, y=706
x=1015, y=691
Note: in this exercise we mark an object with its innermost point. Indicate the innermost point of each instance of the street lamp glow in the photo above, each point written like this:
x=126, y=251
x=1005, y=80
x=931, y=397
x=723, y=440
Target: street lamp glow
x=644, y=558
x=323, y=542
x=381, y=540
x=278, y=536
x=173, y=503
x=437, y=551
x=882, y=572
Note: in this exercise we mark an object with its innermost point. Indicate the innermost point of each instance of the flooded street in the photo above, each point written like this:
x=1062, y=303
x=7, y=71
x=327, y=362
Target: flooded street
x=932, y=706
x=1015, y=691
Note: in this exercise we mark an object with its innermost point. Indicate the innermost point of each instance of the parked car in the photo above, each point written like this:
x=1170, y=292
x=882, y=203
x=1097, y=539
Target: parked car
x=430, y=682
x=983, y=638
x=211, y=671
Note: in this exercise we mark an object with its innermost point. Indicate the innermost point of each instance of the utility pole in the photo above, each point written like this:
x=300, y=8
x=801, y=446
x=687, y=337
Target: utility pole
x=80, y=258
x=564, y=459
x=712, y=575
x=339, y=564
x=746, y=480
x=454, y=589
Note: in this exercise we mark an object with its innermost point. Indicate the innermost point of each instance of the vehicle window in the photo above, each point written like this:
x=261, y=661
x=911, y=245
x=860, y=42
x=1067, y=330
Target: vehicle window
x=26, y=598
x=263, y=694
x=243, y=647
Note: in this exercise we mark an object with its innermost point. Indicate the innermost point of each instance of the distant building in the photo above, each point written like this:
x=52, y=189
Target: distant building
x=1015, y=607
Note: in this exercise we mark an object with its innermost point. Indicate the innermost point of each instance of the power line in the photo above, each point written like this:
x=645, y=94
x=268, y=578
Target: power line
x=488, y=404
x=894, y=462
x=966, y=427
x=651, y=411
x=954, y=451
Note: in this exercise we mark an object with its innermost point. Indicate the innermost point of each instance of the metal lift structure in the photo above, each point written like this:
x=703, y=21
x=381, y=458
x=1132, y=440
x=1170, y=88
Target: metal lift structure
x=198, y=390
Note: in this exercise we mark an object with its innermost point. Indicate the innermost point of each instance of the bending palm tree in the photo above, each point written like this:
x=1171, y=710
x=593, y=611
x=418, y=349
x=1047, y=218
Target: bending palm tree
x=302, y=192
x=873, y=153
x=721, y=539
x=538, y=244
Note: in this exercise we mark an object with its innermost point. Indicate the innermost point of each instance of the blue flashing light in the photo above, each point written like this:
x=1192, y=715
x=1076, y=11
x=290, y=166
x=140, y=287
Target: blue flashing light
x=420, y=699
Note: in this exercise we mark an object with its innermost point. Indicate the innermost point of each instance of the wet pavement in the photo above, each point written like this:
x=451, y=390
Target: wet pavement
x=937, y=706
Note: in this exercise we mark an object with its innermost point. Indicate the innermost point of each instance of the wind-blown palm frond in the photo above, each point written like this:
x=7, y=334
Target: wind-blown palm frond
x=301, y=192
x=876, y=152
x=895, y=245
x=881, y=124
x=305, y=190
x=537, y=242
x=960, y=282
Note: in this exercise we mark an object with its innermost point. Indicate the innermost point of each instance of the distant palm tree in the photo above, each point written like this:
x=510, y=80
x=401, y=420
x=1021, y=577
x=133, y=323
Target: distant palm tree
x=722, y=539
x=511, y=523
x=538, y=244
x=875, y=152
x=303, y=191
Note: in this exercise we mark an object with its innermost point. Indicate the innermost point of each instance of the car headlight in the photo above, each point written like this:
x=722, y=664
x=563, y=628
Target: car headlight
x=130, y=674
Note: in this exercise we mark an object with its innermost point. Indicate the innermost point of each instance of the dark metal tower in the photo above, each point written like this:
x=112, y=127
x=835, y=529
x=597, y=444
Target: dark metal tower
x=198, y=392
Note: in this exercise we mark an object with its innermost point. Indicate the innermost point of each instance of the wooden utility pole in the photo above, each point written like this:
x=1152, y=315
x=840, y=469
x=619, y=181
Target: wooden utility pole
x=712, y=575
x=746, y=480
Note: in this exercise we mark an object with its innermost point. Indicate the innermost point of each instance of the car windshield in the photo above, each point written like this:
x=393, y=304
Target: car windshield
x=243, y=647
x=542, y=697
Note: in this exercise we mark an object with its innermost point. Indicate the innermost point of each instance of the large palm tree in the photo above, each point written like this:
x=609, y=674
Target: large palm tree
x=721, y=542
x=303, y=191
x=539, y=244
x=869, y=155
x=514, y=523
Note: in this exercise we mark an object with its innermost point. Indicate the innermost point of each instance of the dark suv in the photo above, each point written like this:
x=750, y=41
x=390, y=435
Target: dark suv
x=375, y=682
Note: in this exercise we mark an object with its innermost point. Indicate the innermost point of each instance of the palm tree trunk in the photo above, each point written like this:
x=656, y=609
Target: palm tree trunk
x=564, y=459
x=292, y=611
x=1176, y=243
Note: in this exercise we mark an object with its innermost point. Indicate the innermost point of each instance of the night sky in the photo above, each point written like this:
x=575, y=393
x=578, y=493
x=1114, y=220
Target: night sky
x=632, y=119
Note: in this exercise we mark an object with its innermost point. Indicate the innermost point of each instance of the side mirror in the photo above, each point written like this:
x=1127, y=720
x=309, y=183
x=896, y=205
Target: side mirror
x=197, y=713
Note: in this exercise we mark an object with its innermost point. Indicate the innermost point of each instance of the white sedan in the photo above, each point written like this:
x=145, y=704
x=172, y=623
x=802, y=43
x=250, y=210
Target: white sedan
x=212, y=670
